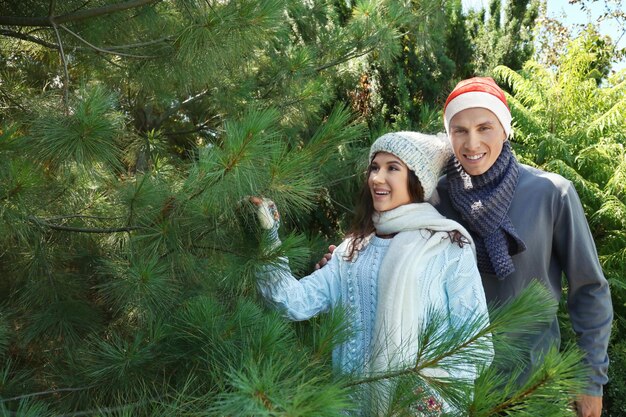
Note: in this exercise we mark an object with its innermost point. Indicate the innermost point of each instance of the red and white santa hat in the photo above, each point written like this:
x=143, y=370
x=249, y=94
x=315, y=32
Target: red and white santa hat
x=478, y=92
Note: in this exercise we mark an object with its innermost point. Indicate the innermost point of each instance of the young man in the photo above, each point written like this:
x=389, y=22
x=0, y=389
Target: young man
x=527, y=224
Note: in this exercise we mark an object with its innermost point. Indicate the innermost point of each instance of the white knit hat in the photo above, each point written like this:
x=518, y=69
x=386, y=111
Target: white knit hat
x=425, y=155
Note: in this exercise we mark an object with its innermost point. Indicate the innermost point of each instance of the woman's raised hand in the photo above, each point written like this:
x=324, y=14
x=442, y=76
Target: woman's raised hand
x=268, y=217
x=266, y=212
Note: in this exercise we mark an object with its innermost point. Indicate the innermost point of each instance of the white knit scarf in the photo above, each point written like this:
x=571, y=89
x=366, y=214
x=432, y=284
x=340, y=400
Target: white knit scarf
x=400, y=309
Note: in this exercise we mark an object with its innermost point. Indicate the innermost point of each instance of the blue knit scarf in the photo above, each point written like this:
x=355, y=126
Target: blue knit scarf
x=484, y=201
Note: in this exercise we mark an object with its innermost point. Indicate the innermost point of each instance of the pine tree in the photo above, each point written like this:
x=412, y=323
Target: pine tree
x=406, y=90
x=458, y=42
x=503, y=38
x=131, y=133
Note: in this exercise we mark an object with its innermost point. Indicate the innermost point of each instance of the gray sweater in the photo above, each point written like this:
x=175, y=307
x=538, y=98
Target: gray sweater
x=549, y=218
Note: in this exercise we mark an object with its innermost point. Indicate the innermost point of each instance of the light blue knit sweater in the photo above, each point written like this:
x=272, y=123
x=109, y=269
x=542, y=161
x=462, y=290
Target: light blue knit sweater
x=453, y=276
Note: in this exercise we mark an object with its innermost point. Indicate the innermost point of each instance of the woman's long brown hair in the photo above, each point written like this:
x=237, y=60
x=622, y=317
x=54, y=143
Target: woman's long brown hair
x=362, y=223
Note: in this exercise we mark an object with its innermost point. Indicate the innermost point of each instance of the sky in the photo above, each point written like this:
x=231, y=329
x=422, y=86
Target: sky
x=571, y=15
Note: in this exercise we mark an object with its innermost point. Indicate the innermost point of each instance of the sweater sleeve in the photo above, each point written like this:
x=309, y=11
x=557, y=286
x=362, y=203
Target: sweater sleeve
x=467, y=303
x=589, y=298
x=304, y=298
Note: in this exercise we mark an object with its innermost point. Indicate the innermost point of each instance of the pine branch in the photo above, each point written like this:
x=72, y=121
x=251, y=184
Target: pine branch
x=196, y=129
x=106, y=51
x=26, y=37
x=86, y=2
x=232, y=162
x=37, y=394
x=66, y=84
x=520, y=397
x=81, y=216
x=555, y=384
x=52, y=226
x=481, y=334
x=12, y=101
x=38, y=41
x=104, y=411
x=172, y=110
x=146, y=43
x=345, y=58
x=220, y=249
x=112, y=63
x=49, y=21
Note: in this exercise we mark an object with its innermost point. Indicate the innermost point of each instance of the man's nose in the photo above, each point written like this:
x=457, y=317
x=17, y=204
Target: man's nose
x=473, y=141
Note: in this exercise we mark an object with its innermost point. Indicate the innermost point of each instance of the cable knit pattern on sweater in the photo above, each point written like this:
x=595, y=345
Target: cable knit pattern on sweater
x=352, y=285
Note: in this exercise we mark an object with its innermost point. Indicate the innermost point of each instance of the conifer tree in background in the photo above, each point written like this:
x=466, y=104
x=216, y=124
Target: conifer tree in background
x=130, y=133
x=503, y=39
x=442, y=45
x=406, y=90
x=458, y=42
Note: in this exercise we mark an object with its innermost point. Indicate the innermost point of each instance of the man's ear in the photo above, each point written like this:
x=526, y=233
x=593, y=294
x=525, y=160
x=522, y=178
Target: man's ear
x=510, y=137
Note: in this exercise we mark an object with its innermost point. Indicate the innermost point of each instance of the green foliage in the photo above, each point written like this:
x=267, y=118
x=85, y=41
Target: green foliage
x=441, y=45
x=130, y=281
x=458, y=41
x=270, y=390
x=26, y=408
x=614, y=391
x=4, y=335
x=87, y=138
x=500, y=389
x=558, y=373
x=399, y=91
x=141, y=287
x=507, y=41
x=131, y=139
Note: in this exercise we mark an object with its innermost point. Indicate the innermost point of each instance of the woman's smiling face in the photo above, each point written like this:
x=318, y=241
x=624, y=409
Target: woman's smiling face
x=477, y=138
x=388, y=182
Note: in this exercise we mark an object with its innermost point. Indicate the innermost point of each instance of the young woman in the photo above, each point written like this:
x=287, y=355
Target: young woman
x=401, y=261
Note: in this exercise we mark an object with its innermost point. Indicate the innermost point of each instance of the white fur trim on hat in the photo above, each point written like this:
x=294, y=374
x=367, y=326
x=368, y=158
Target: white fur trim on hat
x=478, y=99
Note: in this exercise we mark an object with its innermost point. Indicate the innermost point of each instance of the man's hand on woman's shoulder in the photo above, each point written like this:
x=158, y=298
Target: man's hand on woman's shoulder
x=326, y=257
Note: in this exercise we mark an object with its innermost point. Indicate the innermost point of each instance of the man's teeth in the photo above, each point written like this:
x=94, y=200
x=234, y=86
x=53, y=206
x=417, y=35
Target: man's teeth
x=474, y=157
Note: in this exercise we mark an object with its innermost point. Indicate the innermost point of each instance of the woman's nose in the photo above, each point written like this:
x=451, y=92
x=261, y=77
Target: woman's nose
x=378, y=178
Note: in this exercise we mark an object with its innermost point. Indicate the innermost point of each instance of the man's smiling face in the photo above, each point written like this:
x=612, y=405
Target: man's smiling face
x=477, y=138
